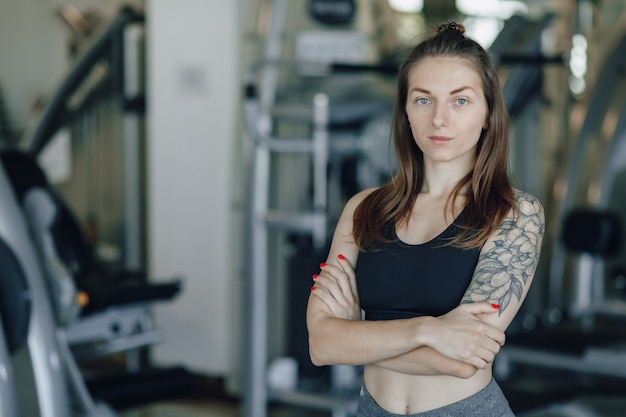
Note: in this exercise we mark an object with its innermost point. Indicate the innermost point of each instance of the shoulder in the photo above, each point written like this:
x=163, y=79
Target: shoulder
x=343, y=239
x=357, y=199
x=529, y=208
x=528, y=204
x=527, y=217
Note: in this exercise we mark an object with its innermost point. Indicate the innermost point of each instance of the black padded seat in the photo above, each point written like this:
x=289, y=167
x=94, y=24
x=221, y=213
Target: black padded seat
x=102, y=296
x=592, y=231
x=103, y=288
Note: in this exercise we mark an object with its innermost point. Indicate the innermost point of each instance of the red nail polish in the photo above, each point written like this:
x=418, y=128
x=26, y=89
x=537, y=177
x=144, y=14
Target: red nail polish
x=496, y=306
x=340, y=256
x=322, y=265
x=315, y=276
x=313, y=288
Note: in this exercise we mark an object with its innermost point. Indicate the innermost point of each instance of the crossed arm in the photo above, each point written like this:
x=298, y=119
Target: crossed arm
x=457, y=343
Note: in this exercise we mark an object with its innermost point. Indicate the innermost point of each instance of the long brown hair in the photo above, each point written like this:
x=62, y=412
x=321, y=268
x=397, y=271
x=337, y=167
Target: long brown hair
x=489, y=191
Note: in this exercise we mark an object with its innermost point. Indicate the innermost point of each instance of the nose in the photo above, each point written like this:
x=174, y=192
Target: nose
x=440, y=116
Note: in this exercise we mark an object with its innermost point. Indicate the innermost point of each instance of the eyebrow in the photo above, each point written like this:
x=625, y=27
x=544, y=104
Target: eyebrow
x=458, y=90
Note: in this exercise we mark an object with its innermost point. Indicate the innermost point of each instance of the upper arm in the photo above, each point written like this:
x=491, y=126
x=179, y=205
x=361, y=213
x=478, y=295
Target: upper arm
x=508, y=261
x=343, y=243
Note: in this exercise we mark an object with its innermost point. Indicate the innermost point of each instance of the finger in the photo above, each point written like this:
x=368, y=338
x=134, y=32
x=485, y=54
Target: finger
x=480, y=308
x=330, y=284
x=486, y=355
x=491, y=346
x=478, y=362
x=339, y=276
x=328, y=299
x=338, y=288
x=338, y=306
x=349, y=270
x=495, y=334
x=345, y=263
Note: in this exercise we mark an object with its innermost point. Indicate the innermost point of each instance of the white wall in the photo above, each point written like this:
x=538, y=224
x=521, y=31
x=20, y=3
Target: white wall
x=194, y=91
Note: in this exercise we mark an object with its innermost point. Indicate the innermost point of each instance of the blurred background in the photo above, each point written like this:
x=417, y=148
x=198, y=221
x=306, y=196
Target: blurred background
x=172, y=172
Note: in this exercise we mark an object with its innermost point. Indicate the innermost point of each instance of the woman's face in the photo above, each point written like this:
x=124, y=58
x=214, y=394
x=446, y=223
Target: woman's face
x=446, y=109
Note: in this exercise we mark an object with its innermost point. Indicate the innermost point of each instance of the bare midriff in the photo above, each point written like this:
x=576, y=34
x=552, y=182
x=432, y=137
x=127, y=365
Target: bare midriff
x=406, y=394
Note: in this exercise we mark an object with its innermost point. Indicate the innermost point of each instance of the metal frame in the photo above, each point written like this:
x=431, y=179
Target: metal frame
x=260, y=118
x=597, y=108
x=54, y=370
x=8, y=394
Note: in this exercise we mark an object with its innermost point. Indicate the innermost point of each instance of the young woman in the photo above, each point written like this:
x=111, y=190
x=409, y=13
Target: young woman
x=441, y=257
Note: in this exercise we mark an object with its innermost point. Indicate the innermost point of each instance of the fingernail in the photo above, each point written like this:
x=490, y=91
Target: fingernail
x=340, y=256
x=322, y=265
x=315, y=276
x=313, y=288
x=496, y=306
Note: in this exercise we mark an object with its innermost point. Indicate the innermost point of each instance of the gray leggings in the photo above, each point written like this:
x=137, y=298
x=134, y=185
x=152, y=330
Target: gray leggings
x=488, y=402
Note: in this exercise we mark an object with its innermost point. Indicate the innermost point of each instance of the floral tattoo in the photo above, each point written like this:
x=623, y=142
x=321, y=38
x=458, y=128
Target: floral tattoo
x=508, y=262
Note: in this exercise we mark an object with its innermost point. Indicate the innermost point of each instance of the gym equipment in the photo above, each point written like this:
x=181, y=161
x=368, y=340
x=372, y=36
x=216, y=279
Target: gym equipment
x=8, y=395
x=518, y=51
x=98, y=109
x=517, y=48
x=603, y=105
x=588, y=338
x=15, y=313
x=43, y=351
x=92, y=309
x=49, y=382
x=100, y=314
x=328, y=105
x=332, y=12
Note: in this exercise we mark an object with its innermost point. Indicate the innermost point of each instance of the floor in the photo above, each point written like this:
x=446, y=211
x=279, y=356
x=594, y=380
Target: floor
x=214, y=409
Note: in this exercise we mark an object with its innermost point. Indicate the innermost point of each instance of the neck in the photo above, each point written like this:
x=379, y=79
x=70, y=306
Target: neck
x=440, y=179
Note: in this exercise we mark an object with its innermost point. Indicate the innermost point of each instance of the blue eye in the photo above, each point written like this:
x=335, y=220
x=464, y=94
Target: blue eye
x=423, y=100
x=461, y=101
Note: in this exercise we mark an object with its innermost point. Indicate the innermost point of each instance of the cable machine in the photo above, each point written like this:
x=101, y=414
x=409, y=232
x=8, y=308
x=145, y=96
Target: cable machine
x=325, y=125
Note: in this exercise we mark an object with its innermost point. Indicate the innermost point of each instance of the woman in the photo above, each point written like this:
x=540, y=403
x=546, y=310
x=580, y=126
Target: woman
x=446, y=250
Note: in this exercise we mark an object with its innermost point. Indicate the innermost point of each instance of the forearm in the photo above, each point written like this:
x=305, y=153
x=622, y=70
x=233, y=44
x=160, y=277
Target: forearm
x=354, y=342
x=427, y=361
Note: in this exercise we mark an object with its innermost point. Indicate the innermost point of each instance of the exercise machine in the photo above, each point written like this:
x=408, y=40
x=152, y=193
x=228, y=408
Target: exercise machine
x=44, y=369
x=95, y=308
x=585, y=337
x=8, y=395
x=306, y=115
x=15, y=313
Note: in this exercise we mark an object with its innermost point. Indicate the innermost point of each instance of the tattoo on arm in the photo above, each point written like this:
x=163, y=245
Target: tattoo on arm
x=508, y=262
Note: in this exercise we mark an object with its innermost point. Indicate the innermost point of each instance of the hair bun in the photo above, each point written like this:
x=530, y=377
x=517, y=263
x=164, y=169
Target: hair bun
x=451, y=26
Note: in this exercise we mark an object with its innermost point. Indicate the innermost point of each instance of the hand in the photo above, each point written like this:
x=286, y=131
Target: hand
x=462, y=335
x=336, y=286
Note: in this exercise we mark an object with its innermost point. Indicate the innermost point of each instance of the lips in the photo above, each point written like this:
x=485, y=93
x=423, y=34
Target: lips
x=440, y=139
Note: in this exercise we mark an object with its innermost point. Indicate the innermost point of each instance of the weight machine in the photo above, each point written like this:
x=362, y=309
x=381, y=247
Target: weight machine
x=83, y=309
x=583, y=333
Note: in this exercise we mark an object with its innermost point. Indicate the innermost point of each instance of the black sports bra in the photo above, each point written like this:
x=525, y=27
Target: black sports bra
x=399, y=280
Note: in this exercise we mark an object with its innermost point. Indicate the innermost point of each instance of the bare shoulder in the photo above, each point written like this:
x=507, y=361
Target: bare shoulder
x=526, y=223
x=529, y=205
x=529, y=216
x=343, y=240
x=356, y=199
